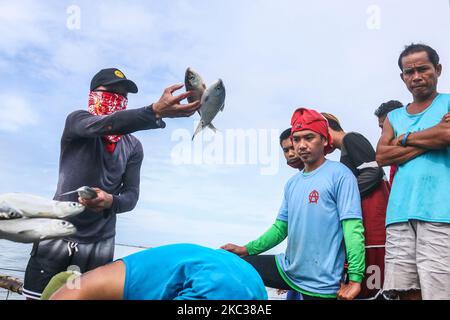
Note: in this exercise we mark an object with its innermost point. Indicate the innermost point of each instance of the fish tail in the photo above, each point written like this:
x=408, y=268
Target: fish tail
x=211, y=126
x=199, y=128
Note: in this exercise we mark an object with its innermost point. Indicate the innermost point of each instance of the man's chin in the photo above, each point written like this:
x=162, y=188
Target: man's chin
x=309, y=160
x=306, y=160
x=422, y=93
x=296, y=164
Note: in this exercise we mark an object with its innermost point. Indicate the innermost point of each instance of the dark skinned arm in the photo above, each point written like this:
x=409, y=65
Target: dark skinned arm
x=388, y=152
x=104, y=283
x=434, y=138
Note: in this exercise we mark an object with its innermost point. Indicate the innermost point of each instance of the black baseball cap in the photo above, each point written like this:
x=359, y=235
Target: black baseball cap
x=111, y=76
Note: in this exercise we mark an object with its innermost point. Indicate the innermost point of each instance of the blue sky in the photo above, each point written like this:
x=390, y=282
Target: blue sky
x=335, y=56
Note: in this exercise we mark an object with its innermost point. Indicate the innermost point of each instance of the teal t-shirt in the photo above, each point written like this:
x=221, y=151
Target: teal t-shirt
x=421, y=186
x=190, y=272
x=314, y=206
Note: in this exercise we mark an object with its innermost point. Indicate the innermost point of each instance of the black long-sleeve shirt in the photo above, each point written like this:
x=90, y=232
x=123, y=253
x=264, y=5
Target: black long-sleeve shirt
x=84, y=161
x=359, y=156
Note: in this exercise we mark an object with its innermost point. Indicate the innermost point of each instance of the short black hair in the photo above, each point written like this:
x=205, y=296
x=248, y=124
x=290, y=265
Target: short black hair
x=414, y=48
x=285, y=135
x=387, y=107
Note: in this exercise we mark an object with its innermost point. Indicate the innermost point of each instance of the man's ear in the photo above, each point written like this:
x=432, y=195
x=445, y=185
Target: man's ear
x=401, y=77
x=439, y=69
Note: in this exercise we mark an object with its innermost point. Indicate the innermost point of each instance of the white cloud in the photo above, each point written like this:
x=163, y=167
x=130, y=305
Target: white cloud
x=16, y=113
x=24, y=24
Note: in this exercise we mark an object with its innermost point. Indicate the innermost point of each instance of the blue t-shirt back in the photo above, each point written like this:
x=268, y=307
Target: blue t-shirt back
x=190, y=272
x=314, y=206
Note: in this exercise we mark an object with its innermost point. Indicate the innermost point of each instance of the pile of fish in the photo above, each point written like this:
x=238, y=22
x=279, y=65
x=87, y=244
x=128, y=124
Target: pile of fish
x=212, y=98
x=28, y=218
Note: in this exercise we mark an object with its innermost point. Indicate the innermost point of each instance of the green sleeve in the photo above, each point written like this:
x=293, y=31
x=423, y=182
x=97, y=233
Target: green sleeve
x=355, y=248
x=57, y=282
x=275, y=235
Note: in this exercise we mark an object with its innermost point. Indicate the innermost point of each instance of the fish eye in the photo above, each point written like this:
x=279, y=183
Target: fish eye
x=191, y=77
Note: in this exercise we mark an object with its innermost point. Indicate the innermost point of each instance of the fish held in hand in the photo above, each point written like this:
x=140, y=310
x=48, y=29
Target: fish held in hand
x=194, y=82
x=84, y=192
x=34, y=230
x=213, y=101
x=31, y=206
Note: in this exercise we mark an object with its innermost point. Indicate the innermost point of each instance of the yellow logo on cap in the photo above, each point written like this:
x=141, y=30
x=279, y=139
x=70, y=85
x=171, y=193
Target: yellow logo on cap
x=119, y=74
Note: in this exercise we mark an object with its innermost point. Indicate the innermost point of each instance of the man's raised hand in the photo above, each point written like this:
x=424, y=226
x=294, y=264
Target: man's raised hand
x=169, y=106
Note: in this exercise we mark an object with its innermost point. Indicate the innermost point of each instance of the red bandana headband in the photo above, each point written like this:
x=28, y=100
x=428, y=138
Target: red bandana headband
x=308, y=119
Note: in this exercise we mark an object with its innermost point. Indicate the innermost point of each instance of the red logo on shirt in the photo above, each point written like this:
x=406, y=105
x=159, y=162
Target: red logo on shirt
x=314, y=197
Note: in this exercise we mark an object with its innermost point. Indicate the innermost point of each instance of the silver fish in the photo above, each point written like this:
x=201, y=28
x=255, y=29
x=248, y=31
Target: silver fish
x=31, y=206
x=194, y=82
x=33, y=230
x=213, y=101
x=84, y=192
x=9, y=212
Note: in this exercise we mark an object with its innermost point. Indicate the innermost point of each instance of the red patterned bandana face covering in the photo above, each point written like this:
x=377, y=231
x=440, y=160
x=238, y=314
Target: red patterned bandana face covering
x=103, y=103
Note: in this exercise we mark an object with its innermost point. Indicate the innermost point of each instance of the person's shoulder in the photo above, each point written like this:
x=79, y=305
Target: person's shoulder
x=397, y=112
x=338, y=168
x=332, y=164
x=445, y=96
x=356, y=143
x=295, y=177
x=132, y=139
x=134, y=142
x=292, y=180
x=76, y=114
x=354, y=137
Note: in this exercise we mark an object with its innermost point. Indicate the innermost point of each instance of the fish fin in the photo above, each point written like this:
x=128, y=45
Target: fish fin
x=199, y=128
x=222, y=107
x=211, y=126
x=25, y=231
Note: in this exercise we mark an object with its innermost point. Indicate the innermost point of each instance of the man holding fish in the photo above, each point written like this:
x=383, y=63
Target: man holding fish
x=212, y=99
x=98, y=150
